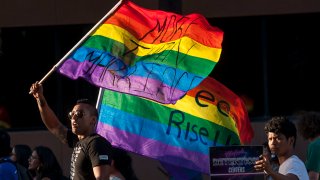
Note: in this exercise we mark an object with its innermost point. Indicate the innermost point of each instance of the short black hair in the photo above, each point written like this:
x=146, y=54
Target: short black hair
x=93, y=110
x=5, y=141
x=85, y=101
x=48, y=160
x=23, y=152
x=281, y=124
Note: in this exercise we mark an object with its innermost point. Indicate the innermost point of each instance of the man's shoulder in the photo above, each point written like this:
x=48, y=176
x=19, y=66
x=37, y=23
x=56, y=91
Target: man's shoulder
x=97, y=137
x=96, y=140
x=8, y=167
x=6, y=162
x=294, y=163
x=294, y=159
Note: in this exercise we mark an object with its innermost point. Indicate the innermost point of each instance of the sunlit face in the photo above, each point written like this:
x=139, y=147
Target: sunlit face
x=279, y=144
x=81, y=120
x=34, y=161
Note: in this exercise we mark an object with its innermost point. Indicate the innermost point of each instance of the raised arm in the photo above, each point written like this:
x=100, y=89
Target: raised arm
x=48, y=117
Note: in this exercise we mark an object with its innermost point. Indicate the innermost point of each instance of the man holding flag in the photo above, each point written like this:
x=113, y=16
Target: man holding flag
x=92, y=154
x=157, y=101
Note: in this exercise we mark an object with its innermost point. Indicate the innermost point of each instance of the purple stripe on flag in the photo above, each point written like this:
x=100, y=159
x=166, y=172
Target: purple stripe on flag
x=154, y=149
x=135, y=85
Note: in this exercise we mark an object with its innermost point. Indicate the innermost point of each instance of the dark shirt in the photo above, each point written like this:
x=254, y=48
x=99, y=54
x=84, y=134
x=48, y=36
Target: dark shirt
x=8, y=170
x=89, y=152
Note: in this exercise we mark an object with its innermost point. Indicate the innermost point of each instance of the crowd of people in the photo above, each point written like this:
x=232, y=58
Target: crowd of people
x=40, y=163
x=94, y=157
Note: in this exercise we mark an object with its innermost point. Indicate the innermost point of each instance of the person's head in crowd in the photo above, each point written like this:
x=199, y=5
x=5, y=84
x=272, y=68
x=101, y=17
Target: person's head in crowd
x=44, y=163
x=282, y=134
x=20, y=154
x=5, y=146
x=309, y=128
x=8, y=170
x=309, y=124
x=122, y=162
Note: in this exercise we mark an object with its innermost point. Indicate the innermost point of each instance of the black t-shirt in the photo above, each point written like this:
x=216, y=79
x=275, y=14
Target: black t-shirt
x=89, y=152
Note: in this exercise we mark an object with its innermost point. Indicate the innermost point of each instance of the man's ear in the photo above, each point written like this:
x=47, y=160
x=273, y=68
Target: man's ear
x=93, y=121
x=291, y=140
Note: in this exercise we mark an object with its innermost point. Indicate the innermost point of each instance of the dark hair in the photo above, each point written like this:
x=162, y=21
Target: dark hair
x=50, y=165
x=5, y=149
x=93, y=109
x=123, y=163
x=281, y=124
x=23, y=153
x=309, y=124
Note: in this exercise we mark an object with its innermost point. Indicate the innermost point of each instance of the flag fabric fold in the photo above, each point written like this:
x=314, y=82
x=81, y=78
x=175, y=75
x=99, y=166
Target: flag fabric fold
x=179, y=134
x=153, y=54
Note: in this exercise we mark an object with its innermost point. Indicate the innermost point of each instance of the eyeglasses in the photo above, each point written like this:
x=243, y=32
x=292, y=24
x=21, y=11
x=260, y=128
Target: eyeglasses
x=78, y=114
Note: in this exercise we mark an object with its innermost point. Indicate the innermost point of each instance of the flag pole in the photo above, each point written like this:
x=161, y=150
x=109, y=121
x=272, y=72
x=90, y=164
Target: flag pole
x=81, y=41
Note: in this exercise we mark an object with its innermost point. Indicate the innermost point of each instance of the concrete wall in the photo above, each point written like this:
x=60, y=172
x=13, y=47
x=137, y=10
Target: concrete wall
x=59, y=12
x=22, y=13
x=234, y=8
x=144, y=167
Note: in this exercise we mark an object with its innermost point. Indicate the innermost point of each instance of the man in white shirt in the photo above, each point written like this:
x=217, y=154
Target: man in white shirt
x=282, y=135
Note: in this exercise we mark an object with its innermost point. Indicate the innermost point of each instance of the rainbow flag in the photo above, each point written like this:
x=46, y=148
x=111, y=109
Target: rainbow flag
x=179, y=134
x=149, y=53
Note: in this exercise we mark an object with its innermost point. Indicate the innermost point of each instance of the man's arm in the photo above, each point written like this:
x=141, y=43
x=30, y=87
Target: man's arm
x=264, y=165
x=48, y=117
x=276, y=175
x=102, y=172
